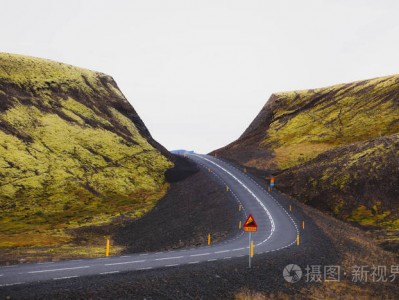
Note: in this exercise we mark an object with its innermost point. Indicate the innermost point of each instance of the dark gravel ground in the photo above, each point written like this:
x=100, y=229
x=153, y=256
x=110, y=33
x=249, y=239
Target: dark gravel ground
x=325, y=241
x=184, y=217
x=193, y=207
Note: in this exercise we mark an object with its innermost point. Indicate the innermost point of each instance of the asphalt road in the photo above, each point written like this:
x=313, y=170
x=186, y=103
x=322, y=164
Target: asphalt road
x=276, y=230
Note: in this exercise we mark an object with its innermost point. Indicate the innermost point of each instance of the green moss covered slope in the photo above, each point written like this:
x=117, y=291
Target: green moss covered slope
x=294, y=127
x=358, y=183
x=73, y=152
x=335, y=148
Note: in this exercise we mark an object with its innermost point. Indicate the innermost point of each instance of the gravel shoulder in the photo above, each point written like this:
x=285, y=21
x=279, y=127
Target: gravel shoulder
x=324, y=241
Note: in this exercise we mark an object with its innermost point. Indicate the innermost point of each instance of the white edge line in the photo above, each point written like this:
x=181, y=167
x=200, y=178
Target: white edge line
x=249, y=191
x=55, y=270
x=201, y=254
x=10, y=284
x=222, y=251
x=66, y=277
x=125, y=262
x=239, y=249
x=110, y=272
x=165, y=258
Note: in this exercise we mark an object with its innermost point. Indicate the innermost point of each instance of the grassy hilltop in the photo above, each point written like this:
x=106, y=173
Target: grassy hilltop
x=73, y=152
x=335, y=148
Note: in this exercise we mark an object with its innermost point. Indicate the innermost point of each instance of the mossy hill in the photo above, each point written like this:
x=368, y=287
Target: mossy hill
x=73, y=152
x=335, y=148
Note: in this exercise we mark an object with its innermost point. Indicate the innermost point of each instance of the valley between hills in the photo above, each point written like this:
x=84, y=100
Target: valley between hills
x=79, y=166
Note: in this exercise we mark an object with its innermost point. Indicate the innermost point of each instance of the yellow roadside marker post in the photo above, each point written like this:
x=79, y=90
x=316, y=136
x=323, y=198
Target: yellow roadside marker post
x=209, y=239
x=245, y=170
x=252, y=249
x=239, y=207
x=227, y=188
x=303, y=225
x=297, y=239
x=290, y=207
x=239, y=225
x=107, y=248
x=209, y=170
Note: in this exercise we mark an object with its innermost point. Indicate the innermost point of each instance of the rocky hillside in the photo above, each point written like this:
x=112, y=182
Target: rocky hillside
x=73, y=152
x=335, y=148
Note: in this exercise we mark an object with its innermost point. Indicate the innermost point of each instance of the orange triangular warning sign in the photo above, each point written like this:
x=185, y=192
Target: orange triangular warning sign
x=249, y=221
x=250, y=224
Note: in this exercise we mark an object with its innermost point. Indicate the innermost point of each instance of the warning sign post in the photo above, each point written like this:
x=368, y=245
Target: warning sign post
x=250, y=226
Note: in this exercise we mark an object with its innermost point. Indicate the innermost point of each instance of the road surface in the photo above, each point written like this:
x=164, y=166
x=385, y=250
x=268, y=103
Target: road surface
x=276, y=231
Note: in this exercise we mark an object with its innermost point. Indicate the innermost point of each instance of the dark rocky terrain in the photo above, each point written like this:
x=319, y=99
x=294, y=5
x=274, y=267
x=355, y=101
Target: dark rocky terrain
x=334, y=148
x=325, y=241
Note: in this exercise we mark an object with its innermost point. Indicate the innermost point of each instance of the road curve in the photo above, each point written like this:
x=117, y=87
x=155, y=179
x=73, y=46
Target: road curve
x=276, y=230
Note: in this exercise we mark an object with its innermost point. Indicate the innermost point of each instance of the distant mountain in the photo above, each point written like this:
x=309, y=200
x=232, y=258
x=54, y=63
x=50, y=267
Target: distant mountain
x=181, y=151
x=73, y=152
x=336, y=148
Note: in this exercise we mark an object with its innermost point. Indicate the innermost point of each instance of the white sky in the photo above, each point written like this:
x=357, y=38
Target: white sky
x=198, y=72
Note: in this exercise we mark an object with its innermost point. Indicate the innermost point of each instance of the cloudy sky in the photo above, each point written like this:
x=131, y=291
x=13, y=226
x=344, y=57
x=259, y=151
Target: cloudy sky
x=198, y=72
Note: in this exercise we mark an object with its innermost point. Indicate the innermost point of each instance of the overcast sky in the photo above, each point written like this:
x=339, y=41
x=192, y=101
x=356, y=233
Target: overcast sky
x=198, y=72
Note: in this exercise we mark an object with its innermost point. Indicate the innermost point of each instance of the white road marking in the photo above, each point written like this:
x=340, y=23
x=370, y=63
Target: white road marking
x=193, y=262
x=253, y=195
x=125, y=256
x=1, y=275
x=201, y=254
x=67, y=277
x=227, y=257
x=213, y=259
x=103, y=258
x=111, y=272
x=45, y=263
x=55, y=270
x=165, y=258
x=148, y=268
x=143, y=254
x=174, y=265
x=10, y=284
x=222, y=251
x=238, y=249
x=125, y=262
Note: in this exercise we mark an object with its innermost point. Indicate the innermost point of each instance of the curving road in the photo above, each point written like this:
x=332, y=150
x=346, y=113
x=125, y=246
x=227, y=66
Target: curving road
x=276, y=231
